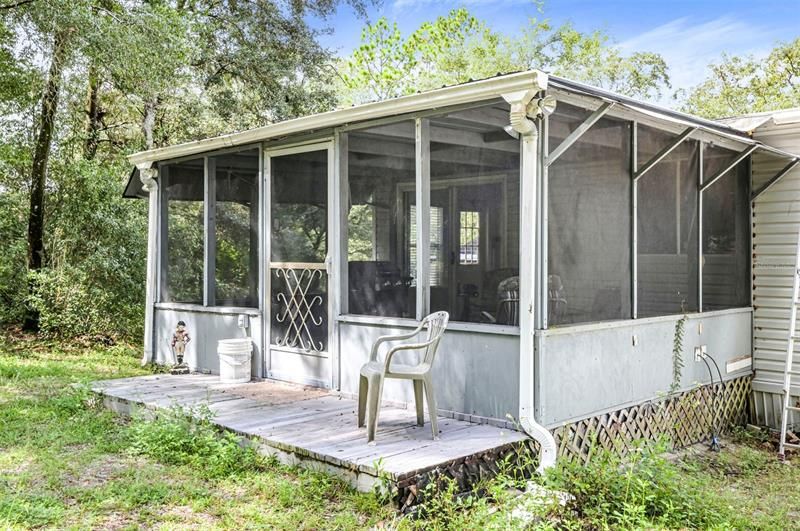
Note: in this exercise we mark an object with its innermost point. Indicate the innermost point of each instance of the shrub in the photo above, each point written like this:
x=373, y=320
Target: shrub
x=181, y=436
x=642, y=489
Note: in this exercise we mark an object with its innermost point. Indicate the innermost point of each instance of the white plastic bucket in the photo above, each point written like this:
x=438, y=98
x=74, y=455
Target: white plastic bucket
x=234, y=360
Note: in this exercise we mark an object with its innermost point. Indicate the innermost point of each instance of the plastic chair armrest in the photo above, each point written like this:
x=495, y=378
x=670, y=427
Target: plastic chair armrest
x=408, y=346
x=373, y=355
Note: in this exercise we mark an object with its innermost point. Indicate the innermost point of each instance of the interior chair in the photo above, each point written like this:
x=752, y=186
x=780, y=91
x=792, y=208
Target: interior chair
x=556, y=295
x=374, y=372
x=507, y=303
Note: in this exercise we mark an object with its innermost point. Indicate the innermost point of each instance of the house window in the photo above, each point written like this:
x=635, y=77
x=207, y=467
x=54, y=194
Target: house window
x=381, y=177
x=469, y=238
x=436, y=238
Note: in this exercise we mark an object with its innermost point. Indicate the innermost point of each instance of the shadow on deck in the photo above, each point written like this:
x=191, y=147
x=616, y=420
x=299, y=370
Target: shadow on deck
x=316, y=429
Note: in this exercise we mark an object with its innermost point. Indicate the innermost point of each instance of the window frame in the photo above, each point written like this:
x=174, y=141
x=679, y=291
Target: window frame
x=422, y=189
x=542, y=296
x=209, y=231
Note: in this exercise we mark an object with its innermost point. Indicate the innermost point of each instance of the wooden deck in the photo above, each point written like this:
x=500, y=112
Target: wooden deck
x=313, y=428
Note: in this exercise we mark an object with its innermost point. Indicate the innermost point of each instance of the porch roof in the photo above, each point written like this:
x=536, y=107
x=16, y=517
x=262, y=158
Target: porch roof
x=472, y=91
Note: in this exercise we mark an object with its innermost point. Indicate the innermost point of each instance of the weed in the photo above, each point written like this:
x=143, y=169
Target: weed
x=66, y=463
x=677, y=354
x=186, y=436
x=640, y=490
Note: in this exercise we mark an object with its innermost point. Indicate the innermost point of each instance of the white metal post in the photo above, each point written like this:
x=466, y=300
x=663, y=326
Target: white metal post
x=210, y=230
x=266, y=258
x=337, y=242
x=529, y=166
x=147, y=176
x=423, y=199
x=634, y=162
x=700, y=174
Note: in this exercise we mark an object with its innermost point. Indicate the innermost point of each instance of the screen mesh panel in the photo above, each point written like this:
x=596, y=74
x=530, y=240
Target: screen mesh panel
x=183, y=272
x=726, y=233
x=667, y=226
x=589, y=228
x=380, y=228
x=474, y=250
x=236, y=228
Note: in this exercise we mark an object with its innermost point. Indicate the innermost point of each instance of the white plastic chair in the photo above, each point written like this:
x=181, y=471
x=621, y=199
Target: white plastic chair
x=374, y=372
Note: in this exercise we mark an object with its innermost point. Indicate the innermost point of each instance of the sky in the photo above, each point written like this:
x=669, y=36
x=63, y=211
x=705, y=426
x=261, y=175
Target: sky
x=688, y=34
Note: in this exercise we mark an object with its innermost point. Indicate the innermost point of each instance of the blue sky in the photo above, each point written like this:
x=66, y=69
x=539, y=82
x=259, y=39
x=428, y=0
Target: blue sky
x=689, y=34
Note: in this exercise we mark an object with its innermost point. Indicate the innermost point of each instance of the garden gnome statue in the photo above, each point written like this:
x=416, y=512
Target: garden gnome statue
x=179, y=341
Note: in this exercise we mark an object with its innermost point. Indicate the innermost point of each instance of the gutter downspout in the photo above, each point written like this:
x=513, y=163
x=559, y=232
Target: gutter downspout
x=147, y=175
x=522, y=105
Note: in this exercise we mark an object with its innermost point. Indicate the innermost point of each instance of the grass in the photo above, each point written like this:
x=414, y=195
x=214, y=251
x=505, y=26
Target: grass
x=65, y=462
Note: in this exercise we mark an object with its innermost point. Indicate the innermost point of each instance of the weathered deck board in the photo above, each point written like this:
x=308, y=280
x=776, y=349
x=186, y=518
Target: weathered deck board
x=305, y=426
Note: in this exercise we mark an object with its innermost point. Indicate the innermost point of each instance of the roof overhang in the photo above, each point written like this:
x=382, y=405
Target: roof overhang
x=723, y=133
x=469, y=92
x=727, y=133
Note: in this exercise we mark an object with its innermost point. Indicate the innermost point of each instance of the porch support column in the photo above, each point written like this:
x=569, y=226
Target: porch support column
x=147, y=175
x=522, y=105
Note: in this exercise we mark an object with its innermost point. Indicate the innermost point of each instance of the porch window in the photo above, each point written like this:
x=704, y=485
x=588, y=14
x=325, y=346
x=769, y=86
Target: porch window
x=667, y=226
x=474, y=217
x=589, y=227
x=182, y=266
x=236, y=228
x=381, y=176
x=210, y=230
x=726, y=281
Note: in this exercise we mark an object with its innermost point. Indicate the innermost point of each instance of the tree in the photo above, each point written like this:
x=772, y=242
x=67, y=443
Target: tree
x=459, y=47
x=108, y=77
x=745, y=84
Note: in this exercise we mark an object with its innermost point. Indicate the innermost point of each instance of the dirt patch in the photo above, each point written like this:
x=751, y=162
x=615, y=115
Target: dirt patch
x=184, y=515
x=17, y=468
x=118, y=520
x=275, y=393
x=102, y=470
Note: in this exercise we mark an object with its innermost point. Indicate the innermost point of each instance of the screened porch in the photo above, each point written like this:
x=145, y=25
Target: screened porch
x=564, y=255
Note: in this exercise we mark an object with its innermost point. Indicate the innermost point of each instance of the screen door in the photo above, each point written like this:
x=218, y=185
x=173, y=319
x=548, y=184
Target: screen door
x=298, y=279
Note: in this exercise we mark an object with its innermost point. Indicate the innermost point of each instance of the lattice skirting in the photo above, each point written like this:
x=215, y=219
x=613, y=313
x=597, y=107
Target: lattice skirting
x=684, y=419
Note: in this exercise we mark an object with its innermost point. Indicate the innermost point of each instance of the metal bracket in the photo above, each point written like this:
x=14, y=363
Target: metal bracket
x=661, y=155
x=743, y=155
x=786, y=169
x=579, y=132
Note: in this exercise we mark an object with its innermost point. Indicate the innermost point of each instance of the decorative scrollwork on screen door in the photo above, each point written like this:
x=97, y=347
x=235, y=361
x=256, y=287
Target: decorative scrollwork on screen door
x=301, y=308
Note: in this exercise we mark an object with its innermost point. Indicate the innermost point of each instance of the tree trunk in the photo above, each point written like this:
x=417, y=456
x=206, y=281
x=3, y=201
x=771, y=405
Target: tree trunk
x=149, y=121
x=41, y=154
x=94, y=114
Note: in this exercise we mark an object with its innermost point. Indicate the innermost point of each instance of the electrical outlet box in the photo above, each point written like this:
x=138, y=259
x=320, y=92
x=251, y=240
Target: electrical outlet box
x=243, y=321
x=635, y=340
x=700, y=352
